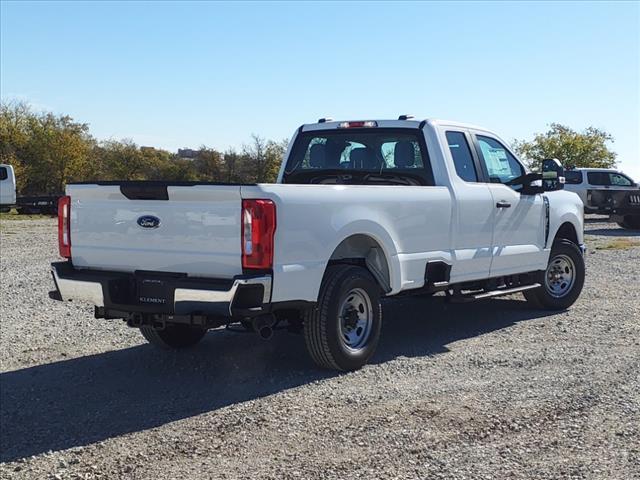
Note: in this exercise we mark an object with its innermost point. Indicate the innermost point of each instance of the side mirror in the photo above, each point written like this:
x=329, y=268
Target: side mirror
x=552, y=175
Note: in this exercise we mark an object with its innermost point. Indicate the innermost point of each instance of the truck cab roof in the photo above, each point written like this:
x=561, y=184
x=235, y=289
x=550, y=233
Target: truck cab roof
x=391, y=123
x=589, y=169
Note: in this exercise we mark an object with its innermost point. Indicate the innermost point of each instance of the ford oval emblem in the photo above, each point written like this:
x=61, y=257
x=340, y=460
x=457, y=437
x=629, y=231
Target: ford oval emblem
x=149, y=221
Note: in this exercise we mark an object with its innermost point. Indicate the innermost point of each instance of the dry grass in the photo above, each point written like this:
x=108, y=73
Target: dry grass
x=13, y=215
x=619, y=244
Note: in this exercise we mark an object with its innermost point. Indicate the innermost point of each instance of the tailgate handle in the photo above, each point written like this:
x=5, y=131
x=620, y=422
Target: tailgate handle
x=144, y=191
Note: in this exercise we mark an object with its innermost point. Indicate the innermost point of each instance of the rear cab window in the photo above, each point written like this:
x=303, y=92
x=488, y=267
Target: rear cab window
x=382, y=156
x=3, y=173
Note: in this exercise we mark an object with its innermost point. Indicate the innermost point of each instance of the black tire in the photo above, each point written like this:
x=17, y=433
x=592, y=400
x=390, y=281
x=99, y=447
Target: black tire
x=630, y=222
x=323, y=325
x=543, y=297
x=173, y=336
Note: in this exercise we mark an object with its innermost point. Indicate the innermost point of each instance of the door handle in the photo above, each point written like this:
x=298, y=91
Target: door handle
x=503, y=204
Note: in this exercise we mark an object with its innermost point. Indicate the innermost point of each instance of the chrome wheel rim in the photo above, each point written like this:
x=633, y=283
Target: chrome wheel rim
x=560, y=276
x=356, y=319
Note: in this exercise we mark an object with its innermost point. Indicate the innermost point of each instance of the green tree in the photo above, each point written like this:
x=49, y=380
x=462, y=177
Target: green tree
x=275, y=156
x=46, y=150
x=158, y=164
x=254, y=162
x=179, y=170
x=588, y=148
x=14, y=135
x=49, y=150
x=231, y=166
x=123, y=160
x=262, y=159
x=209, y=165
x=63, y=145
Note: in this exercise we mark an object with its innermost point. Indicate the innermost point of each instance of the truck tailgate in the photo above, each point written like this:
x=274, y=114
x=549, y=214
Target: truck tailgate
x=195, y=229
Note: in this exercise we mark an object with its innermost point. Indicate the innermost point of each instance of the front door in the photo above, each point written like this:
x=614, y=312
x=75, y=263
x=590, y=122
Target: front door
x=519, y=222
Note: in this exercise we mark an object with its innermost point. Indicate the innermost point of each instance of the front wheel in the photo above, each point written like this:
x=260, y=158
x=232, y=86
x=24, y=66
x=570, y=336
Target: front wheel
x=173, y=336
x=563, y=279
x=343, y=331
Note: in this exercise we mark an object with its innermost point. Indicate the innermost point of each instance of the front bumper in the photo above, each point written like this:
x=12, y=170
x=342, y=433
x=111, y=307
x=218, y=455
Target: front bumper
x=164, y=293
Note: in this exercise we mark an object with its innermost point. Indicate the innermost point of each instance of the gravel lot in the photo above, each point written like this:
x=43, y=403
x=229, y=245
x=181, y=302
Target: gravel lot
x=490, y=390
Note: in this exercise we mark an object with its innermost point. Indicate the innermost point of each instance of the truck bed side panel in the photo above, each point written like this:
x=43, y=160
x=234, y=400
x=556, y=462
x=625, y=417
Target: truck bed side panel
x=411, y=225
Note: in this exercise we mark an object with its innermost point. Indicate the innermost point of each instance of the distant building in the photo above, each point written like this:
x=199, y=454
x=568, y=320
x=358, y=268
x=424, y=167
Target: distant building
x=187, y=153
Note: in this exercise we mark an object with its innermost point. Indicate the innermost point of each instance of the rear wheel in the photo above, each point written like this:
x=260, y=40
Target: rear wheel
x=563, y=279
x=173, y=336
x=630, y=222
x=343, y=331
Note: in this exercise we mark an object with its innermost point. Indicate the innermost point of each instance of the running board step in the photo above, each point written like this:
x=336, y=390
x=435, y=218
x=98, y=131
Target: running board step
x=505, y=291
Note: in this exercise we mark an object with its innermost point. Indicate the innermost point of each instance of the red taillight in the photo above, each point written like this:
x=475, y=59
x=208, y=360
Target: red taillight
x=258, y=228
x=64, y=226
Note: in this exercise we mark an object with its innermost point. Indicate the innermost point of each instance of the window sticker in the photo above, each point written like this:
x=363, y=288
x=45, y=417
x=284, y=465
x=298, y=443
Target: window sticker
x=497, y=161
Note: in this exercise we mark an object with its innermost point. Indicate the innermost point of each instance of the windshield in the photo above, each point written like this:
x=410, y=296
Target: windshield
x=394, y=156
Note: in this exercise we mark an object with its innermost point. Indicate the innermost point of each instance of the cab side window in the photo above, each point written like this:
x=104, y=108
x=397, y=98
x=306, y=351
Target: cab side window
x=500, y=164
x=3, y=173
x=573, y=177
x=598, y=178
x=620, y=180
x=461, y=154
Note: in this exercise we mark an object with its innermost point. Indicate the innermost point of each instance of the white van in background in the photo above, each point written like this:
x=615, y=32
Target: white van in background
x=7, y=187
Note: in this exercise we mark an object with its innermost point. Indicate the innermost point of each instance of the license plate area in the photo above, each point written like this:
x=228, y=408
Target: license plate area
x=155, y=291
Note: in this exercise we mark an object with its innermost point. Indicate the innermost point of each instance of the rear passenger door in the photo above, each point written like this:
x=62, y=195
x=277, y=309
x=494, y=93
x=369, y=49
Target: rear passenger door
x=518, y=228
x=473, y=215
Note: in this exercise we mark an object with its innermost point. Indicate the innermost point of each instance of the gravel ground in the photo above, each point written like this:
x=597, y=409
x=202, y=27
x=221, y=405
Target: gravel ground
x=490, y=390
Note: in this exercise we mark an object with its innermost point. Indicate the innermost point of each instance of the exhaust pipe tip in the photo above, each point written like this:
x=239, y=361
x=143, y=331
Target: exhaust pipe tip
x=266, y=333
x=263, y=325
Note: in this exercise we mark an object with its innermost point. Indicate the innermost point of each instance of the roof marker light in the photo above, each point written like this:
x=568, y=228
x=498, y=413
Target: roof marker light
x=358, y=124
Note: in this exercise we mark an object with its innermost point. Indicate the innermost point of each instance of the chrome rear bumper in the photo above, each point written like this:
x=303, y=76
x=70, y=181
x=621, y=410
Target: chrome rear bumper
x=71, y=289
x=118, y=291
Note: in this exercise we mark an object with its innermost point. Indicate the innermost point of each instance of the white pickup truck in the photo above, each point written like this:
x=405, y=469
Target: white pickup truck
x=361, y=210
x=7, y=188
